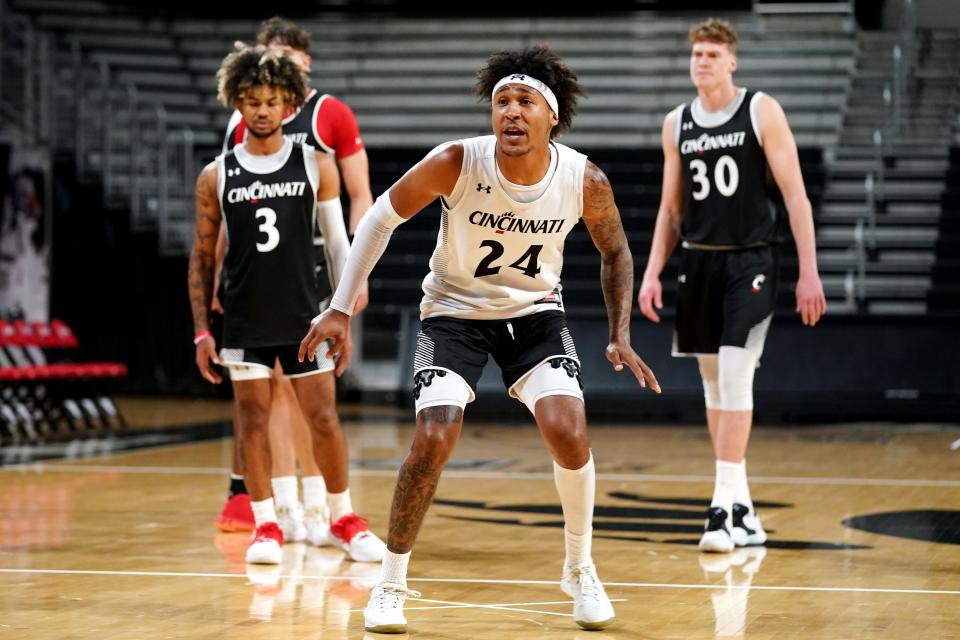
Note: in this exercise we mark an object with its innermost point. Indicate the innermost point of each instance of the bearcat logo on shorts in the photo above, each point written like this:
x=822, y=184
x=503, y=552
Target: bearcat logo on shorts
x=259, y=191
x=707, y=143
x=755, y=288
x=503, y=222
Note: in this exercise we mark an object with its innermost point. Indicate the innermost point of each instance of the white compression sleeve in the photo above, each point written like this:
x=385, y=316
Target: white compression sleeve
x=335, y=242
x=373, y=234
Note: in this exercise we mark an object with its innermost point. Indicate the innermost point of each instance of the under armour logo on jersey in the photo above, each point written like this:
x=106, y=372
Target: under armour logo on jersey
x=682, y=279
x=480, y=187
x=757, y=282
x=233, y=172
x=518, y=76
x=686, y=126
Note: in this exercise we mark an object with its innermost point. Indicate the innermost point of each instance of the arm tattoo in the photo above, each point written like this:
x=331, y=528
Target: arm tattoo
x=203, y=256
x=417, y=482
x=602, y=218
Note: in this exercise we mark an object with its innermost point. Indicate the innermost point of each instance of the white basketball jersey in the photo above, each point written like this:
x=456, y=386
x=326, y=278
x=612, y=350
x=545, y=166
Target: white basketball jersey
x=497, y=258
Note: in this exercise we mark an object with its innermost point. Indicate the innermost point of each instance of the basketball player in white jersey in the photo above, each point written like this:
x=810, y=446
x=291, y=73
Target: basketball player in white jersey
x=271, y=192
x=718, y=197
x=508, y=201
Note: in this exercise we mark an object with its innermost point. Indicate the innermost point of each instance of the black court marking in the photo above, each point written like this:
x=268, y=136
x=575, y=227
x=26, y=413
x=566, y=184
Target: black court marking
x=703, y=503
x=928, y=525
x=612, y=522
x=798, y=545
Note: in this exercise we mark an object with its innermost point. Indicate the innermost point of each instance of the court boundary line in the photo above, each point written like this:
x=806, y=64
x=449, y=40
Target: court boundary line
x=628, y=585
x=65, y=467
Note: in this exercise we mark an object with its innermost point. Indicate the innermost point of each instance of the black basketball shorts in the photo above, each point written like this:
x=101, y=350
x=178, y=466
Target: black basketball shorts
x=516, y=345
x=725, y=298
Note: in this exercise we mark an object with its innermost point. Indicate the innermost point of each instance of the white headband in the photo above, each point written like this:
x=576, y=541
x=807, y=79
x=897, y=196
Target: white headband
x=533, y=83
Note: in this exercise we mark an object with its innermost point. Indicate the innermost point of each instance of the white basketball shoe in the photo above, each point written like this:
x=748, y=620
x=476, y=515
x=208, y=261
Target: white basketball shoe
x=591, y=606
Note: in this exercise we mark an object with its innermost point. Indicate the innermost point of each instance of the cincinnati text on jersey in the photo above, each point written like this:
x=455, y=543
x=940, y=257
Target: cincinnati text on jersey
x=502, y=222
x=708, y=143
x=259, y=191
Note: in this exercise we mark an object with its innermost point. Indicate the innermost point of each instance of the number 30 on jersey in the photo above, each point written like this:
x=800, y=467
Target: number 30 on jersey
x=726, y=177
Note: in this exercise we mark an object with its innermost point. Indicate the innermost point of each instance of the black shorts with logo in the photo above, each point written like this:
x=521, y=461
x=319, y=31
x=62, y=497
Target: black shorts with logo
x=517, y=345
x=725, y=298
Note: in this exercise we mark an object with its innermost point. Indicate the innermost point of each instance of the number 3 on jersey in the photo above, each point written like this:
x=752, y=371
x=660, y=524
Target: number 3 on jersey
x=725, y=175
x=529, y=262
x=268, y=227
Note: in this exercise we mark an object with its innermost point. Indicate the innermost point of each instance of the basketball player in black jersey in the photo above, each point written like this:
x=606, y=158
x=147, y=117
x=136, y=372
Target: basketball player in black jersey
x=270, y=192
x=328, y=124
x=725, y=156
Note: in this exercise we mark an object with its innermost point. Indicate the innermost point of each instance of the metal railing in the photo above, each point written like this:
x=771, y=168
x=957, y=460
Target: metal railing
x=875, y=188
x=26, y=72
x=112, y=133
x=903, y=54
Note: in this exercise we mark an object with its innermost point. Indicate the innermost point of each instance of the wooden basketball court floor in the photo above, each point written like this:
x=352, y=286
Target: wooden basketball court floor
x=864, y=525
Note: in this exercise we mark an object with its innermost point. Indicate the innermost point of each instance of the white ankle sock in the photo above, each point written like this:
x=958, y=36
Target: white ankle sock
x=578, y=548
x=285, y=491
x=263, y=511
x=339, y=504
x=394, y=569
x=741, y=494
x=729, y=475
x=314, y=491
x=576, y=488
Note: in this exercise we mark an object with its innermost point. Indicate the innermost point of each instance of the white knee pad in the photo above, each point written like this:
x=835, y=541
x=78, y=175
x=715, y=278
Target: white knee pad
x=737, y=366
x=436, y=387
x=710, y=374
x=555, y=376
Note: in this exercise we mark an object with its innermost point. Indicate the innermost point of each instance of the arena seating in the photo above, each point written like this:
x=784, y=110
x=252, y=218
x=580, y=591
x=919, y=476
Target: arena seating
x=44, y=394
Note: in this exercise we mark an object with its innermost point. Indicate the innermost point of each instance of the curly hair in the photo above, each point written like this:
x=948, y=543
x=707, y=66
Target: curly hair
x=714, y=30
x=285, y=31
x=250, y=66
x=541, y=62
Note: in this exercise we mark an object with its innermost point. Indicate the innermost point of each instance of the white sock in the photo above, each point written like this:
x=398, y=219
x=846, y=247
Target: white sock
x=729, y=475
x=263, y=511
x=576, y=488
x=741, y=494
x=314, y=491
x=339, y=504
x=394, y=569
x=285, y=491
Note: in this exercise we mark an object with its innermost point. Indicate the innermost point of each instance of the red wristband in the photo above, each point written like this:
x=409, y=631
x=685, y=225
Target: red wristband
x=197, y=339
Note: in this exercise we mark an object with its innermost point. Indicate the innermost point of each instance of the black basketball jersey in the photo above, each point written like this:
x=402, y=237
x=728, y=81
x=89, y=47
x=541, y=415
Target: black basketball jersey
x=300, y=127
x=728, y=194
x=269, y=207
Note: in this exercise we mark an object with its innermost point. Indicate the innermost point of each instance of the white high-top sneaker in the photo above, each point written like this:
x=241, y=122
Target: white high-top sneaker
x=591, y=606
x=384, y=611
x=265, y=547
x=317, y=521
x=716, y=533
x=290, y=519
x=747, y=529
x=352, y=534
